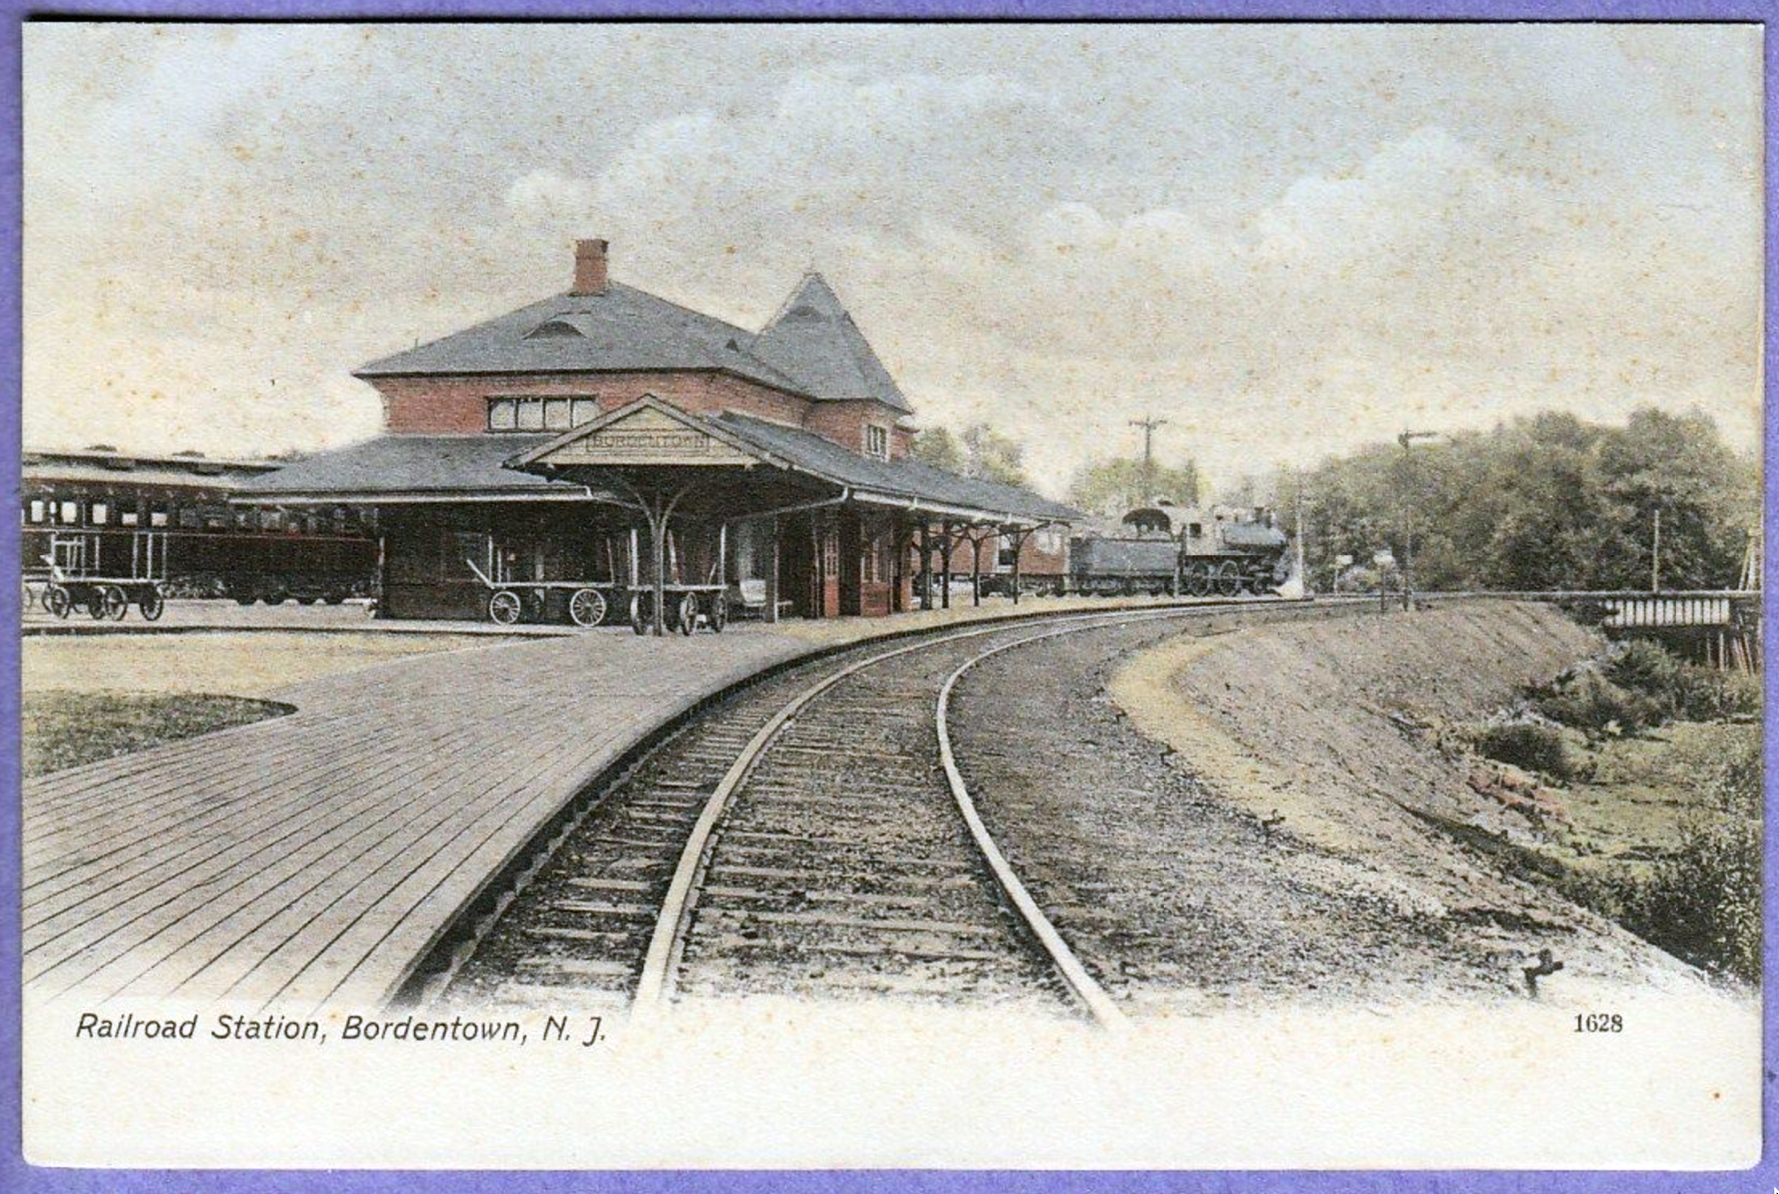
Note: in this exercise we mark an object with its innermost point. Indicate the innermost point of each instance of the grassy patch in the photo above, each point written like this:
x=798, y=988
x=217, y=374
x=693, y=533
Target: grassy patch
x=66, y=729
x=253, y=664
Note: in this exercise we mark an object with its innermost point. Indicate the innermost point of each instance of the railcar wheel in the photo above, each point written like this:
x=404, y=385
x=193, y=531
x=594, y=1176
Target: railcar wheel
x=115, y=602
x=505, y=607
x=305, y=601
x=586, y=607
x=1227, y=580
x=685, y=617
x=152, y=605
x=57, y=601
x=276, y=597
x=334, y=599
x=719, y=612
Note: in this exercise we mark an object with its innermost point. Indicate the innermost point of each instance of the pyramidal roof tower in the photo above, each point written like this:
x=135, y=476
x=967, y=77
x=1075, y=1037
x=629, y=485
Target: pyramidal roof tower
x=813, y=339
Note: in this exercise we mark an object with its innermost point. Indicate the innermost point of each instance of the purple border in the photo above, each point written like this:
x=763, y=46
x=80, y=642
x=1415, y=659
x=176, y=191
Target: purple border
x=16, y=1175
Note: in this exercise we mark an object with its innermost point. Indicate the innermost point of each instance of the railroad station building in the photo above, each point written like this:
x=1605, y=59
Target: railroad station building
x=608, y=439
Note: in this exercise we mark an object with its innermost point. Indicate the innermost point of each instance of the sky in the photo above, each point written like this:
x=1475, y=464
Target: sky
x=1286, y=240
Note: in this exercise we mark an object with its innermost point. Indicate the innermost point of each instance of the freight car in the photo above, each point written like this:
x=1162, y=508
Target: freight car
x=1224, y=550
x=100, y=520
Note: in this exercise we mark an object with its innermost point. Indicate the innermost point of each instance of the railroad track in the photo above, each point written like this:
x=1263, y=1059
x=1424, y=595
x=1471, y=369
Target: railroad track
x=811, y=835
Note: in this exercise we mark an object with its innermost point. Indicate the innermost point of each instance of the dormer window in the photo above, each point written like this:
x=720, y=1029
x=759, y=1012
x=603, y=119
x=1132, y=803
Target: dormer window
x=543, y=413
x=877, y=441
x=561, y=326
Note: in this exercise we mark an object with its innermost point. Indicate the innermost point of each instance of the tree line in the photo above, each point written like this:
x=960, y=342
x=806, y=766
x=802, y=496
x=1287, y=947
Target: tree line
x=1545, y=502
x=1548, y=501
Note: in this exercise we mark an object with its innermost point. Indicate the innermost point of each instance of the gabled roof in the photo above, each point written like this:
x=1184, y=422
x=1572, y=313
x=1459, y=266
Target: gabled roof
x=621, y=329
x=908, y=480
x=414, y=466
x=814, y=339
x=811, y=347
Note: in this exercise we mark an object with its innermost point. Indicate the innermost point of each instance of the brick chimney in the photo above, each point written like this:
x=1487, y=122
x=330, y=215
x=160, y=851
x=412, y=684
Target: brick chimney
x=589, y=267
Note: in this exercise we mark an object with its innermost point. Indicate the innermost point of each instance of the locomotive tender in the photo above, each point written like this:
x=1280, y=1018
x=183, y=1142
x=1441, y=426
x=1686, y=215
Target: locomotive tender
x=1224, y=550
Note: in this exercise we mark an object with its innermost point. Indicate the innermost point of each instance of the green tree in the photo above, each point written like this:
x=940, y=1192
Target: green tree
x=991, y=456
x=938, y=447
x=1112, y=486
x=1548, y=502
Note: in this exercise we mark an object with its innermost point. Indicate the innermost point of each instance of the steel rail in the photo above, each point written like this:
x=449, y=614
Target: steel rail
x=1082, y=985
x=654, y=988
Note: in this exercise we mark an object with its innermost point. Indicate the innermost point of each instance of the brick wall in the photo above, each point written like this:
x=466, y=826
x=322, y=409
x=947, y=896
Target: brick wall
x=459, y=405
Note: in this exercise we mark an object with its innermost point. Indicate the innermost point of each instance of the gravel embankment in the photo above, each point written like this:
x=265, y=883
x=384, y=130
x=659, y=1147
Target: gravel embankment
x=1262, y=832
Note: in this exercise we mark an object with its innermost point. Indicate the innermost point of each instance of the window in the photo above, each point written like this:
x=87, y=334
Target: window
x=101, y=514
x=128, y=516
x=68, y=513
x=190, y=518
x=39, y=511
x=877, y=441
x=157, y=514
x=541, y=414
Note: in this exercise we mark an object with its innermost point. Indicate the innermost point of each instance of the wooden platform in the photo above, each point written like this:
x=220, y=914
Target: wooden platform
x=306, y=861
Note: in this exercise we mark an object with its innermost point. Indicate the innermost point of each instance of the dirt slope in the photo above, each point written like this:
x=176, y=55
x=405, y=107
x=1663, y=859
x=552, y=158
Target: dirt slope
x=1327, y=726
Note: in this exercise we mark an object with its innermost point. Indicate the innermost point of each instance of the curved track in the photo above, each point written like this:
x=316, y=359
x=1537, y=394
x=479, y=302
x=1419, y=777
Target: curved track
x=811, y=835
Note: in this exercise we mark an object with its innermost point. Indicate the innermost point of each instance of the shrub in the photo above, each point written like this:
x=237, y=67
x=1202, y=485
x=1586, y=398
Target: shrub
x=1529, y=745
x=1707, y=694
x=1589, y=701
x=1645, y=667
x=1703, y=903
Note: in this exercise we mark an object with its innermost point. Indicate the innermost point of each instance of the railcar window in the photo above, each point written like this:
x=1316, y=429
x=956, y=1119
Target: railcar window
x=39, y=512
x=128, y=517
x=68, y=513
x=101, y=514
x=157, y=515
x=190, y=519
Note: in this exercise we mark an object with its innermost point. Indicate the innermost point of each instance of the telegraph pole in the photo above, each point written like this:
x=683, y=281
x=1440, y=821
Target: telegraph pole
x=1655, y=555
x=1407, y=439
x=1148, y=423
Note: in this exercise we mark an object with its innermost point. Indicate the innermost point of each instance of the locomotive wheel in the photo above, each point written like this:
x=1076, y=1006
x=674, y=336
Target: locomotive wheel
x=505, y=607
x=152, y=605
x=1196, y=579
x=586, y=607
x=115, y=603
x=685, y=617
x=57, y=601
x=1227, y=579
x=719, y=612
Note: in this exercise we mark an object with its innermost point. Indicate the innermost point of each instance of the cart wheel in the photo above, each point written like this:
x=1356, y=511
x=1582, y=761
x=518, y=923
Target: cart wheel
x=152, y=605
x=586, y=607
x=686, y=616
x=719, y=612
x=115, y=603
x=533, y=600
x=57, y=601
x=505, y=607
x=641, y=613
x=95, y=604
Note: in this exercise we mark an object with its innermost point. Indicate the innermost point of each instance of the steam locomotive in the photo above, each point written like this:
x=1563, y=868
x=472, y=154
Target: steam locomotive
x=1222, y=550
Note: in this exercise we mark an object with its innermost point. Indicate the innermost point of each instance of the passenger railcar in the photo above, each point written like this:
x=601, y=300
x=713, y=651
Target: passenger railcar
x=113, y=529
